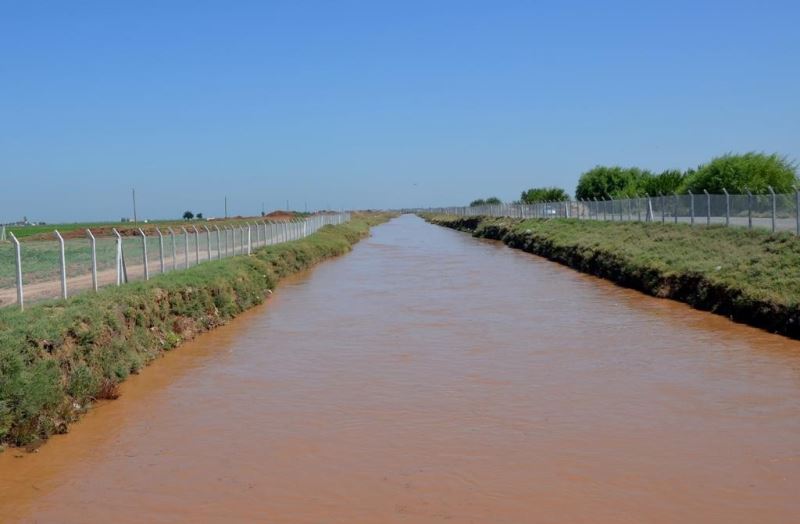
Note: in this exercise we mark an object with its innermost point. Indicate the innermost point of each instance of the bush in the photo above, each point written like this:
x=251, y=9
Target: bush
x=615, y=181
x=491, y=201
x=543, y=194
x=667, y=182
x=738, y=173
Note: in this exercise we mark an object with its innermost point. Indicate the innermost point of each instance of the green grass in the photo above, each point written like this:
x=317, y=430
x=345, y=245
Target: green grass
x=751, y=275
x=58, y=357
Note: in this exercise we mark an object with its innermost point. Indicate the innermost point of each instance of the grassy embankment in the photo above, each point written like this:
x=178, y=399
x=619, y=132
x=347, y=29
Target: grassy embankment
x=58, y=357
x=751, y=276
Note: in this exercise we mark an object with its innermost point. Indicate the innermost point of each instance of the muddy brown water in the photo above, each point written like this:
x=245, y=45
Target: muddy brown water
x=429, y=377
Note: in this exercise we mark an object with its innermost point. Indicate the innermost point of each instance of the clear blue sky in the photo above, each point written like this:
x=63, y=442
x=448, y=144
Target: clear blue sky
x=374, y=104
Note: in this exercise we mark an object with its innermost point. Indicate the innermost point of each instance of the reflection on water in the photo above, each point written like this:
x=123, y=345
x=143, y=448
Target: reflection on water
x=429, y=376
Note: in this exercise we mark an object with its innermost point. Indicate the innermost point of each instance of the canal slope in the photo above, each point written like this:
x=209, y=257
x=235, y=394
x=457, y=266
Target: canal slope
x=58, y=358
x=750, y=276
x=429, y=376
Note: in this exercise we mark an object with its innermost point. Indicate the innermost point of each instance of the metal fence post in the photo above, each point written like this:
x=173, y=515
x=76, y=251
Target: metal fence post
x=196, y=245
x=185, y=248
x=675, y=210
x=219, y=245
x=63, y=264
x=638, y=208
x=208, y=242
x=749, y=209
x=691, y=206
x=797, y=209
x=174, y=251
x=18, y=262
x=249, y=239
x=144, y=255
x=604, y=209
x=121, y=274
x=611, y=200
x=93, y=247
x=160, y=250
x=727, y=207
x=708, y=207
x=663, y=208
x=772, y=193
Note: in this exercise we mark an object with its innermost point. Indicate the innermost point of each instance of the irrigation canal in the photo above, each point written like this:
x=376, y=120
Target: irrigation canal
x=430, y=376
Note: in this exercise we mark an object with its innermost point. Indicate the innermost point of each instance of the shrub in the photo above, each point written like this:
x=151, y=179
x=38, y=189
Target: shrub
x=667, y=182
x=602, y=181
x=543, y=194
x=491, y=201
x=738, y=173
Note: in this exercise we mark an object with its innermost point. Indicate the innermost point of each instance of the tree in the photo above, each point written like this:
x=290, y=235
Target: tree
x=199, y=216
x=491, y=201
x=543, y=194
x=602, y=181
x=665, y=183
x=188, y=215
x=739, y=173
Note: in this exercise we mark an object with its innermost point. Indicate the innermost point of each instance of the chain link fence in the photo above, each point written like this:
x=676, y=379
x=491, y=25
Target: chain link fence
x=774, y=211
x=33, y=270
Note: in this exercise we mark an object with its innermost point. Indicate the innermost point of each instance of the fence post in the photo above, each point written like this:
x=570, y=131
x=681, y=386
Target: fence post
x=797, y=209
x=638, y=208
x=208, y=242
x=174, y=251
x=772, y=193
x=185, y=248
x=121, y=276
x=663, y=208
x=62, y=263
x=93, y=247
x=675, y=207
x=196, y=245
x=708, y=207
x=18, y=262
x=249, y=240
x=160, y=250
x=691, y=206
x=144, y=255
x=727, y=207
x=219, y=245
x=749, y=209
x=604, y=209
x=2, y=233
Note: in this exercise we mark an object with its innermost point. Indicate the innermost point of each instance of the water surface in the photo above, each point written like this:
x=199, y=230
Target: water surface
x=430, y=377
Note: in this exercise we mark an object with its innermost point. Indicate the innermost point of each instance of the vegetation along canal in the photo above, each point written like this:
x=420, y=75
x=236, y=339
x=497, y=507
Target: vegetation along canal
x=427, y=376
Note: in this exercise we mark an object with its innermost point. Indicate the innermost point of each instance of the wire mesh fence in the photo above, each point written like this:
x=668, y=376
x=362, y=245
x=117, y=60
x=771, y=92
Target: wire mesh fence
x=774, y=211
x=33, y=270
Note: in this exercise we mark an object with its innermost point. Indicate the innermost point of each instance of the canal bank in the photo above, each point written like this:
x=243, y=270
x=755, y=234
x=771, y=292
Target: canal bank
x=750, y=276
x=429, y=376
x=58, y=358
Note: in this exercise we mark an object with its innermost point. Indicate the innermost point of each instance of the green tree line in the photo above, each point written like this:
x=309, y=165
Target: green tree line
x=755, y=172
x=736, y=173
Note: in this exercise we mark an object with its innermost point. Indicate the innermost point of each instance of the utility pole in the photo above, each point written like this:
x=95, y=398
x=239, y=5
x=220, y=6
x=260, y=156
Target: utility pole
x=226, y=206
x=133, y=191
